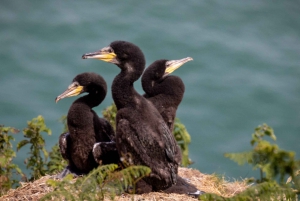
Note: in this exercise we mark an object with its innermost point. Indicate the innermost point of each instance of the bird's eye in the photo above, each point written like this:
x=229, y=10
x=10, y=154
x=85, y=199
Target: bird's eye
x=109, y=50
x=75, y=84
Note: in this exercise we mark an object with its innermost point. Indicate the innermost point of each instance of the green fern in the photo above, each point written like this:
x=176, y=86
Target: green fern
x=180, y=133
x=126, y=179
x=35, y=162
x=103, y=181
x=76, y=189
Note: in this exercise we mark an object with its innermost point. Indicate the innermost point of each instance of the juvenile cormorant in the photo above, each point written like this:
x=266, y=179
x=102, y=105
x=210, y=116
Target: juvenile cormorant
x=85, y=127
x=142, y=137
x=165, y=91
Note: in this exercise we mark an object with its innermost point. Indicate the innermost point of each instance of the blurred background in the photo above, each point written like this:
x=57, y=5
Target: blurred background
x=246, y=68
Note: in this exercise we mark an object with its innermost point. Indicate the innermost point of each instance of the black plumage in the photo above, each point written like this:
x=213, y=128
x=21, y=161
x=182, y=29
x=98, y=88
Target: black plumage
x=184, y=187
x=84, y=125
x=165, y=91
x=142, y=137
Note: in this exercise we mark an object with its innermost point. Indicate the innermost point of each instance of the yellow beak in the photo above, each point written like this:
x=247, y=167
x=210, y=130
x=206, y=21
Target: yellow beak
x=105, y=54
x=172, y=65
x=73, y=90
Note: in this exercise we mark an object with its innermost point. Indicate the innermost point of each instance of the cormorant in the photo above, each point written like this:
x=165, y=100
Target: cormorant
x=142, y=137
x=85, y=127
x=165, y=91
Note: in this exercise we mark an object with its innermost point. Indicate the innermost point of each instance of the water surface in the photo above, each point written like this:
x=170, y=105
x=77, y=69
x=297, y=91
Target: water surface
x=245, y=70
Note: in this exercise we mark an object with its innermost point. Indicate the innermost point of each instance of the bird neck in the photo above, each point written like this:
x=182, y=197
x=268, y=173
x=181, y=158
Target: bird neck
x=170, y=89
x=148, y=85
x=91, y=100
x=123, y=92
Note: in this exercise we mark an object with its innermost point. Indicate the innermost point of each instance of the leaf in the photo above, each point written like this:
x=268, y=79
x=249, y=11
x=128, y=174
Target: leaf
x=240, y=158
x=122, y=180
x=51, y=183
x=3, y=162
x=22, y=144
x=183, y=139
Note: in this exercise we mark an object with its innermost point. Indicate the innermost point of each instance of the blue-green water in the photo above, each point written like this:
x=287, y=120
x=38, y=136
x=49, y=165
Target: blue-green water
x=246, y=68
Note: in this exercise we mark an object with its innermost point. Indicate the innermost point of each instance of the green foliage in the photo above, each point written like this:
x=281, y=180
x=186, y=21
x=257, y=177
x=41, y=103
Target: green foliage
x=56, y=162
x=122, y=180
x=182, y=137
x=7, y=168
x=263, y=191
x=37, y=145
x=267, y=157
x=100, y=182
x=110, y=114
x=81, y=188
x=272, y=163
x=63, y=120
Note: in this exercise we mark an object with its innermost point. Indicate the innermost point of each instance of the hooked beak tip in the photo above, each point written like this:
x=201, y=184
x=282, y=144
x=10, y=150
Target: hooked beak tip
x=189, y=59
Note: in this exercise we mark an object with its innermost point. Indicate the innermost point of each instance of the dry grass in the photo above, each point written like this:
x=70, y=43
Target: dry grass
x=29, y=190
x=208, y=183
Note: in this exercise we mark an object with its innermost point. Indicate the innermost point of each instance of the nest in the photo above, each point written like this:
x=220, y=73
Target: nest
x=207, y=183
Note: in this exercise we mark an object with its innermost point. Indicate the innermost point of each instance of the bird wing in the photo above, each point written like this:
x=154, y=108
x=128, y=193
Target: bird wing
x=103, y=130
x=169, y=116
x=171, y=150
x=63, y=142
x=170, y=147
x=132, y=146
x=139, y=144
x=109, y=131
